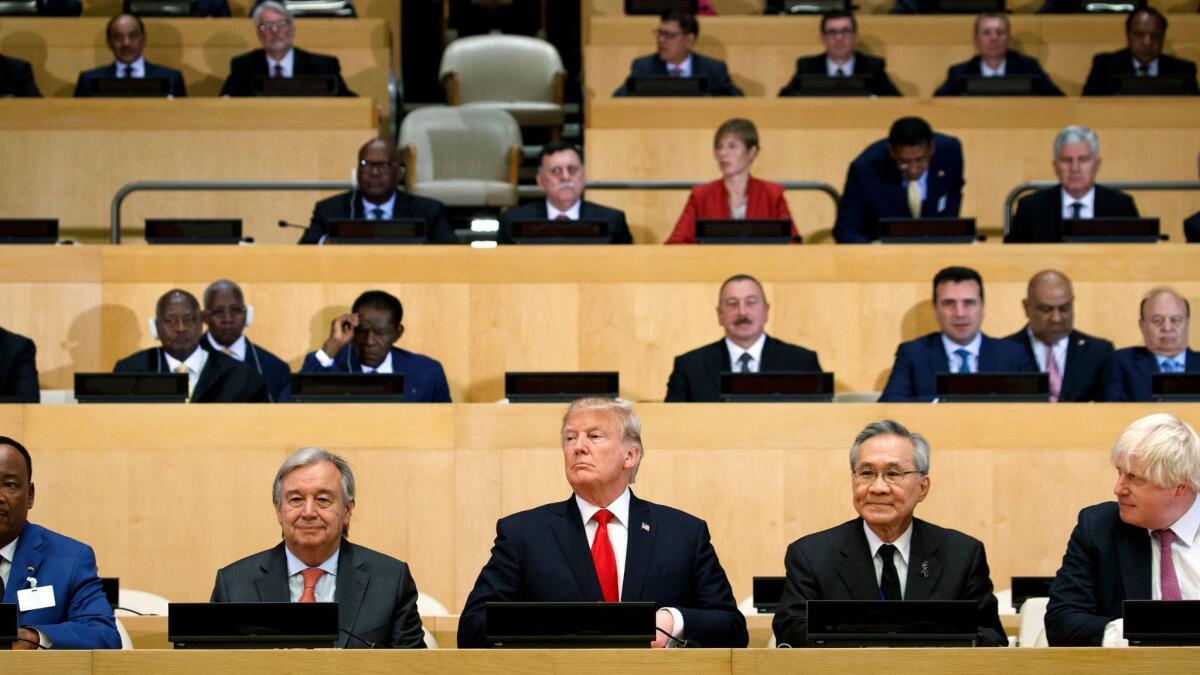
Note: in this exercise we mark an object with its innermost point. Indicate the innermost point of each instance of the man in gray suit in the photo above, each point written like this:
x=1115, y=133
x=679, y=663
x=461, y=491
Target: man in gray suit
x=314, y=498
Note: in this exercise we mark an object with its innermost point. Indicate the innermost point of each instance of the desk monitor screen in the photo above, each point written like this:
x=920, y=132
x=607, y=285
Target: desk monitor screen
x=926, y=230
x=665, y=85
x=112, y=590
x=28, y=230
x=1162, y=85
x=1008, y=85
x=394, y=231
x=746, y=231
x=8, y=624
x=193, y=230
x=130, y=87
x=131, y=387
x=561, y=232
x=1024, y=588
x=1162, y=623
x=766, y=592
x=252, y=625
x=301, y=85
x=659, y=6
x=887, y=623
x=1175, y=387
x=559, y=387
x=779, y=386
x=824, y=85
x=968, y=6
x=998, y=387
x=160, y=7
x=1111, y=230
x=534, y=625
x=347, y=388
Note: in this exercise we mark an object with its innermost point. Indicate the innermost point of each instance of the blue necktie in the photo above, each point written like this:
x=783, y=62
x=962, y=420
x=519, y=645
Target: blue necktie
x=376, y=213
x=1172, y=366
x=965, y=366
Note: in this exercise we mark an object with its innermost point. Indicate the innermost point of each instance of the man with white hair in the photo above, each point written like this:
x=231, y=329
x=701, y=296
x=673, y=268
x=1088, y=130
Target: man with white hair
x=278, y=59
x=1040, y=215
x=1143, y=546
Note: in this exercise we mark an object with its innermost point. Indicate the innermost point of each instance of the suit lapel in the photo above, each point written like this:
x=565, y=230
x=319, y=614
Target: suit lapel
x=639, y=551
x=567, y=525
x=1192, y=362
x=1072, y=382
x=939, y=362
x=352, y=582
x=273, y=584
x=987, y=355
x=857, y=570
x=214, y=369
x=1133, y=556
x=26, y=562
x=924, y=566
x=771, y=356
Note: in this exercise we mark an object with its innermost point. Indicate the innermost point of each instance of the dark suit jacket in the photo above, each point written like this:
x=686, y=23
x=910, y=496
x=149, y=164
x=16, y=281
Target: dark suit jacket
x=1015, y=64
x=873, y=67
x=18, y=369
x=223, y=380
x=1107, y=562
x=917, y=361
x=18, y=78
x=1128, y=372
x=1083, y=379
x=1191, y=228
x=274, y=371
x=424, y=379
x=1039, y=215
x=1106, y=66
x=81, y=617
x=875, y=189
x=713, y=70
x=83, y=87
x=542, y=555
x=836, y=564
x=376, y=594
x=245, y=69
x=348, y=205
x=587, y=211
x=696, y=376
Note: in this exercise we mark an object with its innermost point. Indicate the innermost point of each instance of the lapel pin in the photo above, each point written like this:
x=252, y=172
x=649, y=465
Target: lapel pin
x=925, y=568
x=941, y=173
x=646, y=526
x=1080, y=343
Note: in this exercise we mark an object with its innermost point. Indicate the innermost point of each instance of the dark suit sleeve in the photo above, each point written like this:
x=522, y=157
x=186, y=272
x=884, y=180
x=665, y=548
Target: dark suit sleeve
x=23, y=386
x=1098, y=81
x=440, y=231
x=406, y=620
x=790, y=624
x=881, y=84
x=1116, y=388
x=178, y=88
x=219, y=592
x=899, y=385
x=312, y=365
x=1072, y=617
x=499, y=580
x=715, y=621
x=441, y=389
x=89, y=623
x=1191, y=229
x=317, y=225
x=82, y=86
x=950, y=86
x=723, y=84
x=954, y=170
x=979, y=588
x=678, y=389
x=233, y=85
x=620, y=231
x=853, y=209
x=28, y=85
x=1020, y=228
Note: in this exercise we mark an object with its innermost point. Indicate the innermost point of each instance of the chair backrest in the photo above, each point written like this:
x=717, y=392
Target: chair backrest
x=126, y=641
x=142, y=602
x=460, y=142
x=427, y=605
x=503, y=68
x=1033, y=623
x=1004, y=601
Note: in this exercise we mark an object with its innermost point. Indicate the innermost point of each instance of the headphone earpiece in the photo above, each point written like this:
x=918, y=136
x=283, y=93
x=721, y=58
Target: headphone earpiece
x=249, y=315
x=152, y=324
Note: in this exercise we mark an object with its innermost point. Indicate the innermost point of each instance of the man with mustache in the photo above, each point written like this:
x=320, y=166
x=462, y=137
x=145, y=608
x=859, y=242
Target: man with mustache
x=742, y=311
x=127, y=40
x=1164, y=316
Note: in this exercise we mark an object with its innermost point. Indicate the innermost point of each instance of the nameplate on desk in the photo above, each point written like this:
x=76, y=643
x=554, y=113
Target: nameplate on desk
x=131, y=387
x=1005, y=85
x=1174, y=387
x=252, y=625
x=890, y=623
x=1162, y=623
x=996, y=387
x=926, y=230
x=780, y=387
x=1112, y=230
x=347, y=388
x=968, y=6
x=361, y=231
x=28, y=230
x=1162, y=85
x=547, y=231
x=744, y=231
x=665, y=85
x=815, y=84
x=766, y=593
x=659, y=6
x=534, y=625
x=559, y=386
x=301, y=85
x=193, y=230
x=130, y=87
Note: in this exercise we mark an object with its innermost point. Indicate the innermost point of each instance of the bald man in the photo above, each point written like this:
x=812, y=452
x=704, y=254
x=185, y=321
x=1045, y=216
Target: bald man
x=1163, y=319
x=213, y=377
x=1073, y=359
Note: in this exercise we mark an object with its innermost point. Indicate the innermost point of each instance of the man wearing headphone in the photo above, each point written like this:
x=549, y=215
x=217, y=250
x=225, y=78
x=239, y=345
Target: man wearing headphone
x=228, y=316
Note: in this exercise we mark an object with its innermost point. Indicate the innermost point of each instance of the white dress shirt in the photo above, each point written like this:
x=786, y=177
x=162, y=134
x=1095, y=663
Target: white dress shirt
x=1151, y=69
x=831, y=68
x=6, y=557
x=987, y=71
x=388, y=208
x=972, y=348
x=683, y=69
x=195, y=364
x=1180, y=358
x=1059, y=351
x=384, y=368
x=755, y=352
x=285, y=63
x=137, y=69
x=237, y=350
x=326, y=587
x=903, y=546
x=572, y=212
x=1088, y=201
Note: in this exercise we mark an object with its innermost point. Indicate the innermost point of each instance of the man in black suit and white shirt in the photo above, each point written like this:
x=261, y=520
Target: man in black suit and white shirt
x=560, y=175
x=993, y=31
x=127, y=39
x=1040, y=215
x=276, y=30
x=676, y=33
x=1075, y=361
x=18, y=369
x=1145, y=32
x=315, y=562
x=16, y=79
x=885, y=553
x=742, y=311
x=839, y=34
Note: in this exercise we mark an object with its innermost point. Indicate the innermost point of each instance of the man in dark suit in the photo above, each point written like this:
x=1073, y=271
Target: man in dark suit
x=1040, y=215
x=18, y=369
x=959, y=347
x=913, y=173
x=227, y=317
x=676, y=33
x=994, y=59
x=379, y=197
x=51, y=578
x=742, y=310
x=886, y=553
x=1163, y=319
x=839, y=34
x=1123, y=550
x=362, y=342
x=1073, y=359
x=16, y=79
x=560, y=175
x=1145, y=31
x=314, y=499
x=640, y=551
x=212, y=376
x=127, y=40
x=1191, y=225
x=276, y=30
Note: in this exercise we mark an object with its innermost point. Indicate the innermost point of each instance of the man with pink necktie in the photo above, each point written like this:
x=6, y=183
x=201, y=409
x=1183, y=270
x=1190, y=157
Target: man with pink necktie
x=1144, y=546
x=1073, y=359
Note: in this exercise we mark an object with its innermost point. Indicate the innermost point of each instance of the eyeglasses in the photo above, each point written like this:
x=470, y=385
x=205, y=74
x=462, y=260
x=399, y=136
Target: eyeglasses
x=377, y=166
x=890, y=476
x=267, y=26
x=564, y=171
x=838, y=32
x=665, y=34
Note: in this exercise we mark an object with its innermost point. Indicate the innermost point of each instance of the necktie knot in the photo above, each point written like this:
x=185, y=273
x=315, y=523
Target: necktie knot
x=182, y=368
x=562, y=216
x=377, y=213
x=1171, y=366
x=839, y=73
x=887, y=553
x=674, y=71
x=744, y=362
x=602, y=517
x=277, y=71
x=964, y=356
x=1076, y=210
x=126, y=71
x=311, y=575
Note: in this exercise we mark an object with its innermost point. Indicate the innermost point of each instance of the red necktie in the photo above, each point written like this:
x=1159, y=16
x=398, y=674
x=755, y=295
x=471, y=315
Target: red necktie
x=604, y=558
x=1168, y=581
x=310, y=583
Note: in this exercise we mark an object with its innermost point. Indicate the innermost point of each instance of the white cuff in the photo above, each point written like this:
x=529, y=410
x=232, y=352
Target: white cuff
x=323, y=358
x=677, y=632
x=1114, y=634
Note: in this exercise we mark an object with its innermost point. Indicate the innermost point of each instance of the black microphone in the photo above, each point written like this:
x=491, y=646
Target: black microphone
x=368, y=643
x=284, y=223
x=679, y=643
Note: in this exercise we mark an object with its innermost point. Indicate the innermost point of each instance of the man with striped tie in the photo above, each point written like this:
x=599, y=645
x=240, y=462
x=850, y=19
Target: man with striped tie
x=1164, y=322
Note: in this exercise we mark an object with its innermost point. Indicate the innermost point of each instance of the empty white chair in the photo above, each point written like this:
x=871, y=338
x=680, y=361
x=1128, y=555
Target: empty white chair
x=1033, y=623
x=462, y=156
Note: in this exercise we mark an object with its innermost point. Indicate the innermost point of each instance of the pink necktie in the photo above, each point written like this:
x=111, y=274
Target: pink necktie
x=1053, y=372
x=604, y=557
x=310, y=583
x=1166, y=566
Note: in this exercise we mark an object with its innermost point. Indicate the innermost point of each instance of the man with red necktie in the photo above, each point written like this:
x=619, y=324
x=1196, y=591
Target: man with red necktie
x=603, y=544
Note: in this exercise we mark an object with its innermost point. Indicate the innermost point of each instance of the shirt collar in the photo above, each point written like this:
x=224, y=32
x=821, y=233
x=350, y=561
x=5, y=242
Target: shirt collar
x=1180, y=357
x=287, y=61
x=385, y=367
x=1150, y=68
x=992, y=72
x=296, y=565
x=9, y=550
x=1188, y=524
x=572, y=212
x=903, y=543
x=847, y=67
x=755, y=350
x=619, y=508
x=195, y=362
x=1039, y=346
x=972, y=347
x=237, y=349
x=684, y=66
x=138, y=66
x=389, y=207
x=1088, y=200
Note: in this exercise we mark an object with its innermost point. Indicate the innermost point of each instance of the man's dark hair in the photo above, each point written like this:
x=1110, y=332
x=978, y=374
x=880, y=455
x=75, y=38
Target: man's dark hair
x=138, y=19
x=957, y=275
x=910, y=131
x=381, y=300
x=686, y=20
x=555, y=147
x=839, y=14
x=5, y=440
x=741, y=277
x=1162, y=20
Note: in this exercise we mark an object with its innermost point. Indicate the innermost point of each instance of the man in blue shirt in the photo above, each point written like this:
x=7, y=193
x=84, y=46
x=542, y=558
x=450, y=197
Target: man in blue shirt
x=1163, y=319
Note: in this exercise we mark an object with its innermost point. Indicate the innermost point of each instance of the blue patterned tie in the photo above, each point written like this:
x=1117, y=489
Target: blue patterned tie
x=376, y=213
x=965, y=364
x=1171, y=366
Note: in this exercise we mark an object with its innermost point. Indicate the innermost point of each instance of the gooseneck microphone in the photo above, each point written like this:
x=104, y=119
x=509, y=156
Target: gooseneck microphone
x=368, y=643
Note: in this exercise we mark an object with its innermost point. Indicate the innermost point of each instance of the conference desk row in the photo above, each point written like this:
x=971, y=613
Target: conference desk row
x=596, y=8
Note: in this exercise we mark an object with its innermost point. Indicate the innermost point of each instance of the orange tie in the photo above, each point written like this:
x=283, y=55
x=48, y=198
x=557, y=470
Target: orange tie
x=310, y=583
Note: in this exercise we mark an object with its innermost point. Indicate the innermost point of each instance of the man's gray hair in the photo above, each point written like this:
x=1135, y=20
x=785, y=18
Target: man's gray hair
x=893, y=428
x=1077, y=134
x=1166, y=448
x=270, y=4
x=631, y=426
x=308, y=457
x=223, y=285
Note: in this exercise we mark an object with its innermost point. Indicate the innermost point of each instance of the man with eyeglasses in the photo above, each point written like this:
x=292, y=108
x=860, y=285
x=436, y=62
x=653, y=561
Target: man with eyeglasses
x=1145, y=33
x=363, y=340
x=913, y=173
x=886, y=553
x=560, y=175
x=1163, y=319
x=839, y=34
x=278, y=59
x=227, y=317
x=993, y=31
x=676, y=33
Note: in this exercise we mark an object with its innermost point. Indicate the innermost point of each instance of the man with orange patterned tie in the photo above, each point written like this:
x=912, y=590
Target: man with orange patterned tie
x=603, y=544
